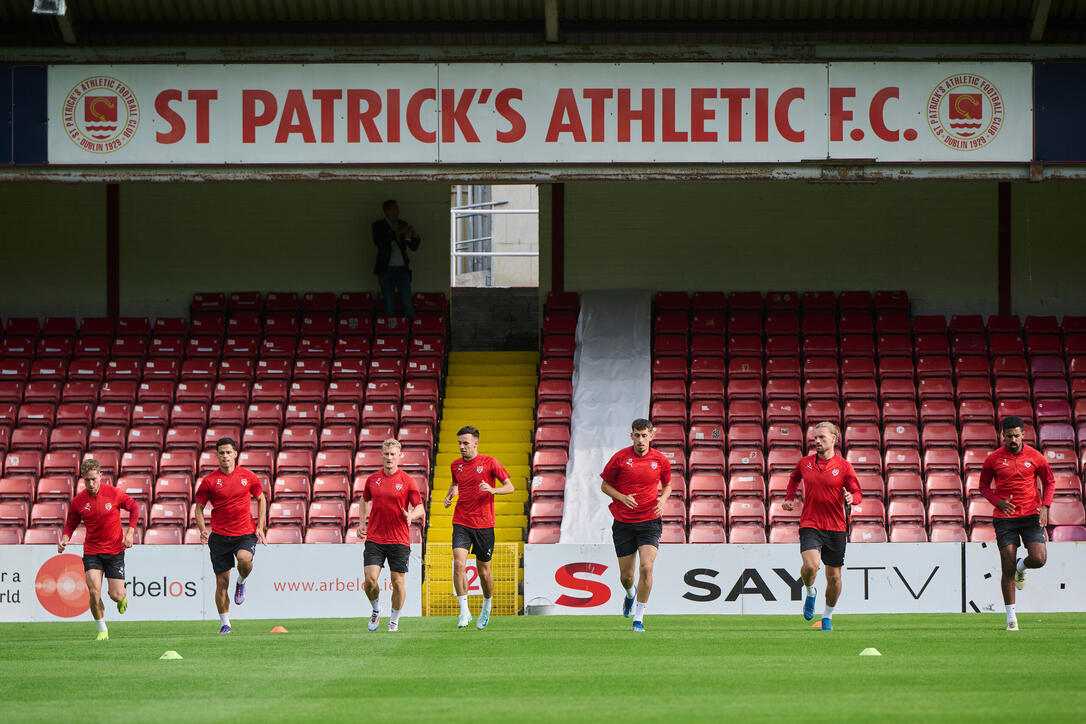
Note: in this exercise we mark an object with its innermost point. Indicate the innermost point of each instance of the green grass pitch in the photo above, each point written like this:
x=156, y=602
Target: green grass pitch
x=947, y=667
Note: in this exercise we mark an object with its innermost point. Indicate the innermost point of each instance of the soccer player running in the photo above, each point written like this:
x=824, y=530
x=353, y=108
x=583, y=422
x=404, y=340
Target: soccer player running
x=1020, y=513
x=391, y=500
x=829, y=487
x=473, y=478
x=632, y=478
x=99, y=507
x=233, y=532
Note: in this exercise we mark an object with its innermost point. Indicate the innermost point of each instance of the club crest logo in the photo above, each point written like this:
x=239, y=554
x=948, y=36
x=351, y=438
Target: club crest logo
x=479, y=469
x=836, y=472
x=653, y=464
x=109, y=507
x=965, y=112
x=1028, y=464
x=399, y=486
x=100, y=114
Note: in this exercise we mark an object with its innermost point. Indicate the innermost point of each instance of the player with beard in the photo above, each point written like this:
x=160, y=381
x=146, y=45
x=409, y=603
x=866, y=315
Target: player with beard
x=1009, y=481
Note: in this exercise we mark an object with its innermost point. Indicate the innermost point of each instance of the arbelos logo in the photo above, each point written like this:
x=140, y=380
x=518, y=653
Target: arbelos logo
x=61, y=586
x=965, y=112
x=100, y=114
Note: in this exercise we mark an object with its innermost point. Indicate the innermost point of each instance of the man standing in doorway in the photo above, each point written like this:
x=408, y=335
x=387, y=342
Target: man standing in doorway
x=234, y=533
x=99, y=507
x=393, y=237
x=632, y=479
x=829, y=486
x=391, y=501
x=473, y=478
x=1020, y=513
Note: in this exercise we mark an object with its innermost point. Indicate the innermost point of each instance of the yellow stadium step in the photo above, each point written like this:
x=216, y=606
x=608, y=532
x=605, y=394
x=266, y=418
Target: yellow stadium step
x=490, y=375
x=448, y=437
x=494, y=357
x=501, y=507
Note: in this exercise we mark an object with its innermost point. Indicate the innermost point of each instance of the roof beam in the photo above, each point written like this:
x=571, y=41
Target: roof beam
x=1040, y=19
x=550, y=20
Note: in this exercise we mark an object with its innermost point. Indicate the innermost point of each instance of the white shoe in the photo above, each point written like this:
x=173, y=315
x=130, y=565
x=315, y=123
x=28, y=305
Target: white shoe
x=465, y=619
x=393, y=625
x=1019, y=578
x=1012, y=625
x=375, y=619
x=484, y=618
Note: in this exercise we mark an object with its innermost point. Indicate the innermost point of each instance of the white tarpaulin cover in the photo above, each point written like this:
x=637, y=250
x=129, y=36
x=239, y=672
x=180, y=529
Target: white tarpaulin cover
x=612, y=379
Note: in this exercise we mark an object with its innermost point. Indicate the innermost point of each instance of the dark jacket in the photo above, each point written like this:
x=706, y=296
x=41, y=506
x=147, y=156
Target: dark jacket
x=384, y=238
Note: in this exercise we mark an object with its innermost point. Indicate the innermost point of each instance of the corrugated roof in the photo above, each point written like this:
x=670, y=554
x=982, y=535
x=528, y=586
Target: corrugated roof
x=521, y=22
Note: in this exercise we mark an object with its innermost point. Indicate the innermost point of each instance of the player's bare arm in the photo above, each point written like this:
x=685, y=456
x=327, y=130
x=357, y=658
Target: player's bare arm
x=450, y=495
x=130, y=537
x=261, y=516
x=628, y=500
x=1006, y=506
x=415, y=513
x=363, y=519
x=505, y=489
x=662, y=501
x=62, y=544
x=201, y=524
x=1042, y=516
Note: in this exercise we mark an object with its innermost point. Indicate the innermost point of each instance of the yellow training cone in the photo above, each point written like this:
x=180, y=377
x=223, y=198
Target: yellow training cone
x=170, y=655
x=870, y=652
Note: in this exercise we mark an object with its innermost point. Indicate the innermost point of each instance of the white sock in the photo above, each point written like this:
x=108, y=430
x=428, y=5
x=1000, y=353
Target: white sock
x=224, y=618
x=828, y=613
x=810, y=590
x=376, y=603
x=241, y=578
x=630, y=592
x=463, y=604
x=101, y=624
x=639, y=610
x=1021, y=565
x=395, y=616
x=487, y=602
x=1010, y=613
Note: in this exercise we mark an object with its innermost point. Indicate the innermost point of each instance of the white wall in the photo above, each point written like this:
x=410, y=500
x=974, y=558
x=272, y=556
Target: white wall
x=52, y=250
x=937, y=240
x=1048, y=248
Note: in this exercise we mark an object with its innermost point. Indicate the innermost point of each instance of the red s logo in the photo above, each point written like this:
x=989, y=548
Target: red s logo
x=599, y=592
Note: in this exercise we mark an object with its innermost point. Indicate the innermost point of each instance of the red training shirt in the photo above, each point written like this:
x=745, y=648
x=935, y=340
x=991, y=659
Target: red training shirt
x=640, y=476
x=823, y=483
x=474, y=508
x=229, y=496
x=389, y=496
x=102, y=516
x=1015, y=478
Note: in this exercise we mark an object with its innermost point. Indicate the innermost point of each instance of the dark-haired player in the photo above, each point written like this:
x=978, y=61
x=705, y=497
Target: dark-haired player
x=234, y=533
x=1008, y=480
x=473, y=478
x=632, y=478
x=391, y=500
x=99, y=507
x=829, y=484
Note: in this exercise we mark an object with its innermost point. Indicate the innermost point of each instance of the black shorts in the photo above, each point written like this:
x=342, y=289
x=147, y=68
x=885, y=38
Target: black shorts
x=629, y=537
x=829, y=543
x=224, y=547
x=1009, y=530
x=397, y=555
x=479, y=541
x=111, y=566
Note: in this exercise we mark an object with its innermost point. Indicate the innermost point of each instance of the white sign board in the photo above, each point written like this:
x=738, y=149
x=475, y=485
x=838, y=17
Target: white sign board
x=487, y=113
x=176, y=583
x=764, y=579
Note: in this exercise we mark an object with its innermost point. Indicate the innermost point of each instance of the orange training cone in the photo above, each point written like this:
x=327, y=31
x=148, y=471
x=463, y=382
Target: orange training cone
x=278, y=629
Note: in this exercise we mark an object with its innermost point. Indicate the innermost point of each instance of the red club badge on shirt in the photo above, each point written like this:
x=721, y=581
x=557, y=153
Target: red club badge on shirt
x=109, y=506
x=479, y=469
x=653, y=464
x=399, y=486
x=836, y=472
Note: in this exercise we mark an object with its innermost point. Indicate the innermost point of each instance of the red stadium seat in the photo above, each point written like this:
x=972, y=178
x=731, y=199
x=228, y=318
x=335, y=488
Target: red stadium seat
x=284, y=534
x=707, y=533
x=324, y=534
